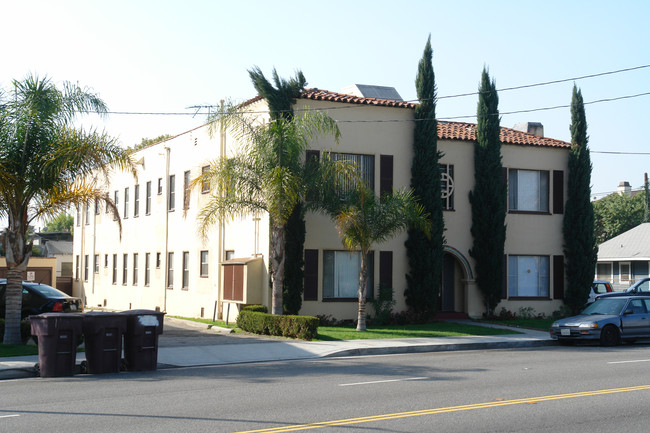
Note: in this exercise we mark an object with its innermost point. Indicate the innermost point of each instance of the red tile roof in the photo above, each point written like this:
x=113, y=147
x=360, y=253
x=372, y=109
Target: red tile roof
x=446, y=130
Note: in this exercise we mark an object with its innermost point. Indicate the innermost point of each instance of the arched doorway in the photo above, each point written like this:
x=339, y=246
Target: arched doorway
x=455, y=274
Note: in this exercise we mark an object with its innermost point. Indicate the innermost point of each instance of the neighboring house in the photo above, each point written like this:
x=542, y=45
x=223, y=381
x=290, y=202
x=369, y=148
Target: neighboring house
x=625, y=258
x=160, y=262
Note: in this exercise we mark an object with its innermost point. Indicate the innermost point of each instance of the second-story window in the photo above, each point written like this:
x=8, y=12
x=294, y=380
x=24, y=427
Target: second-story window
x=126, y=203
x=136, y=201
x=447, y=186
x=171, y=200
x=186, y=190
x=147, y=203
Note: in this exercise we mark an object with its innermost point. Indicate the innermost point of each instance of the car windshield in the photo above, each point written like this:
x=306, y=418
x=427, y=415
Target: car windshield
x=610, y=306
x=642, y=286
x=46, y=291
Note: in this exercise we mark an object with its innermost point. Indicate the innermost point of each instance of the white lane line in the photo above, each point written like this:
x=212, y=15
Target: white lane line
x=383, y=381
x=9, y=416
x=629, y=362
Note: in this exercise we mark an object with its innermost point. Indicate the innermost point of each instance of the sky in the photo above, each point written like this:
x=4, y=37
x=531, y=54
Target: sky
x=166, y=56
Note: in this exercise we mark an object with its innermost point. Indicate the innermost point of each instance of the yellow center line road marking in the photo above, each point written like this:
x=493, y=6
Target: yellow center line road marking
x=390, y=416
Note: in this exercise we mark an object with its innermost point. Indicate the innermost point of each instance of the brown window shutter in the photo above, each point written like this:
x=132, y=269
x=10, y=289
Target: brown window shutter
x=558, y=191
x=385, y=174
x=310, y=292
x=386, y=268
x=504, y=176
x=558, y=277
x=504, y=278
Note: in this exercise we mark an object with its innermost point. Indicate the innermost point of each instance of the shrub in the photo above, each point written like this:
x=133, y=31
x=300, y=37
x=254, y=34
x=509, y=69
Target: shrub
x=383, y=305
x=257, y=308
x=25, y=330
x=326, y=320
x=303, y=327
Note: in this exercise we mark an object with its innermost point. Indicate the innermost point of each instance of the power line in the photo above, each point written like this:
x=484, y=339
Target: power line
x=545, y=83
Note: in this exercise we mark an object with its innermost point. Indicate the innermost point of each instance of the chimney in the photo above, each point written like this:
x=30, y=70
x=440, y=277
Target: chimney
x=624, y=188
x=534, y=128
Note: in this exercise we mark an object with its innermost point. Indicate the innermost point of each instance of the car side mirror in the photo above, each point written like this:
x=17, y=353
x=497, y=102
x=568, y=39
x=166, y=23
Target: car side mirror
x=628, y=312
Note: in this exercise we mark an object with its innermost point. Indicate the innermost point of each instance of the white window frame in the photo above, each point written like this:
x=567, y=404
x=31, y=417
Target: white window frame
x=340, y=282
x=529, y=276
x=518, y=202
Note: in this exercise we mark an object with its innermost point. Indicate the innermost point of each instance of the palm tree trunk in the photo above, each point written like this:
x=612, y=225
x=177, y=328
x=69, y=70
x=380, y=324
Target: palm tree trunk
x=363, y=279
x=277, y=267
x=17, y=261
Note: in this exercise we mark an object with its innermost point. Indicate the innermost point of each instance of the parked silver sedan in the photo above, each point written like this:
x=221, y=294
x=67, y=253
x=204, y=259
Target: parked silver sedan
x=608, y=320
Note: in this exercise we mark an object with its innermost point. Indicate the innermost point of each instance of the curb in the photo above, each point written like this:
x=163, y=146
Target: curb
x=440, y=348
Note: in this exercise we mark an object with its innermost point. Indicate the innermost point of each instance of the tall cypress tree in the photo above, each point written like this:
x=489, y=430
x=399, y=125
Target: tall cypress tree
x=425, y=253
x=580, y=250
x=488, y=198
x=281, y=99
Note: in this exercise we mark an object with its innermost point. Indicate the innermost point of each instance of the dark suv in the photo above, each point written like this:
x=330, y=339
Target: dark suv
x=41, y=298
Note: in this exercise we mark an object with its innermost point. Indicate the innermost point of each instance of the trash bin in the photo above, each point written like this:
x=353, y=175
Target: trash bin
x=58, y=335
x=103, y=332
x=141, y=339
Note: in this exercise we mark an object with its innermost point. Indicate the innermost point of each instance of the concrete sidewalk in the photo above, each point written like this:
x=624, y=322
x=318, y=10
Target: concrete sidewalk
x=185, y=343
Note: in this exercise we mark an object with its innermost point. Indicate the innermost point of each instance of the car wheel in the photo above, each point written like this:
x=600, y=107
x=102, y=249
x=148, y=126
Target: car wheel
x=610, y=336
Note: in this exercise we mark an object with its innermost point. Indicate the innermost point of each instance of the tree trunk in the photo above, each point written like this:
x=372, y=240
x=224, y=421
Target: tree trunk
x=277, y=271
x=17, y=254
x=363, y=278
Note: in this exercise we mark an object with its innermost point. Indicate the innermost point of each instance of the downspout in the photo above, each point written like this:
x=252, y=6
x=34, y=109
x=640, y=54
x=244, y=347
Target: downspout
x=222, y=228
x=166, y=258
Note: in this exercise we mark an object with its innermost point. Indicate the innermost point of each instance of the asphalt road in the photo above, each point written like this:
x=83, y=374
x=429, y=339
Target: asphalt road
x=553, y=389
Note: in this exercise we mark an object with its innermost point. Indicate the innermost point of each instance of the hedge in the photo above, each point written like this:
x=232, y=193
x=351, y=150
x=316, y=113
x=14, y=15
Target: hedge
x=257, y=308
x=25, y=330
x=303, y=327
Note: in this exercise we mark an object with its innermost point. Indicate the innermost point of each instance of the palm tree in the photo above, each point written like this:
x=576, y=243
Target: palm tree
x=45, y=166
x=364, y=219
x=268, y=174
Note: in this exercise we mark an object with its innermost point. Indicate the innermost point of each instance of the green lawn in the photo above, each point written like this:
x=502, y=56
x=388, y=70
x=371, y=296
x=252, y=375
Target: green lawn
x=18, y=350
x=437, y=329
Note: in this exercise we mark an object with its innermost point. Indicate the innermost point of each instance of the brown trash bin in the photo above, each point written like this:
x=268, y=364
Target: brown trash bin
x=141, y=339
x=103, y=335
x=58, y=335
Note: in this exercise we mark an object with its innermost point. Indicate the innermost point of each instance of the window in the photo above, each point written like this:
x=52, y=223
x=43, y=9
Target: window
x=160, y=185
x=135, y=269
x=230, y=254
x=624, y=271
x=186, y=270
x=528, y=276
x=205, y=185
x=86, y=264
x=147, y=269
x=116, y=200
x=114, y=278
x=126, y=203
x=87, y=209
x=528, y=190
x=186, y=190
x=78, y=216
x=604, y=271
x=366, y=164
x=157, y=260
x=170, y=270
x=204, y=264
x=106, y=260
x=96, y=264
x=136, y=201
x=447, y=186
x=76, y=268
x=125, y=275
x=97, y=207
x=341, y=274
x=147, y=203
x=172, y=193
